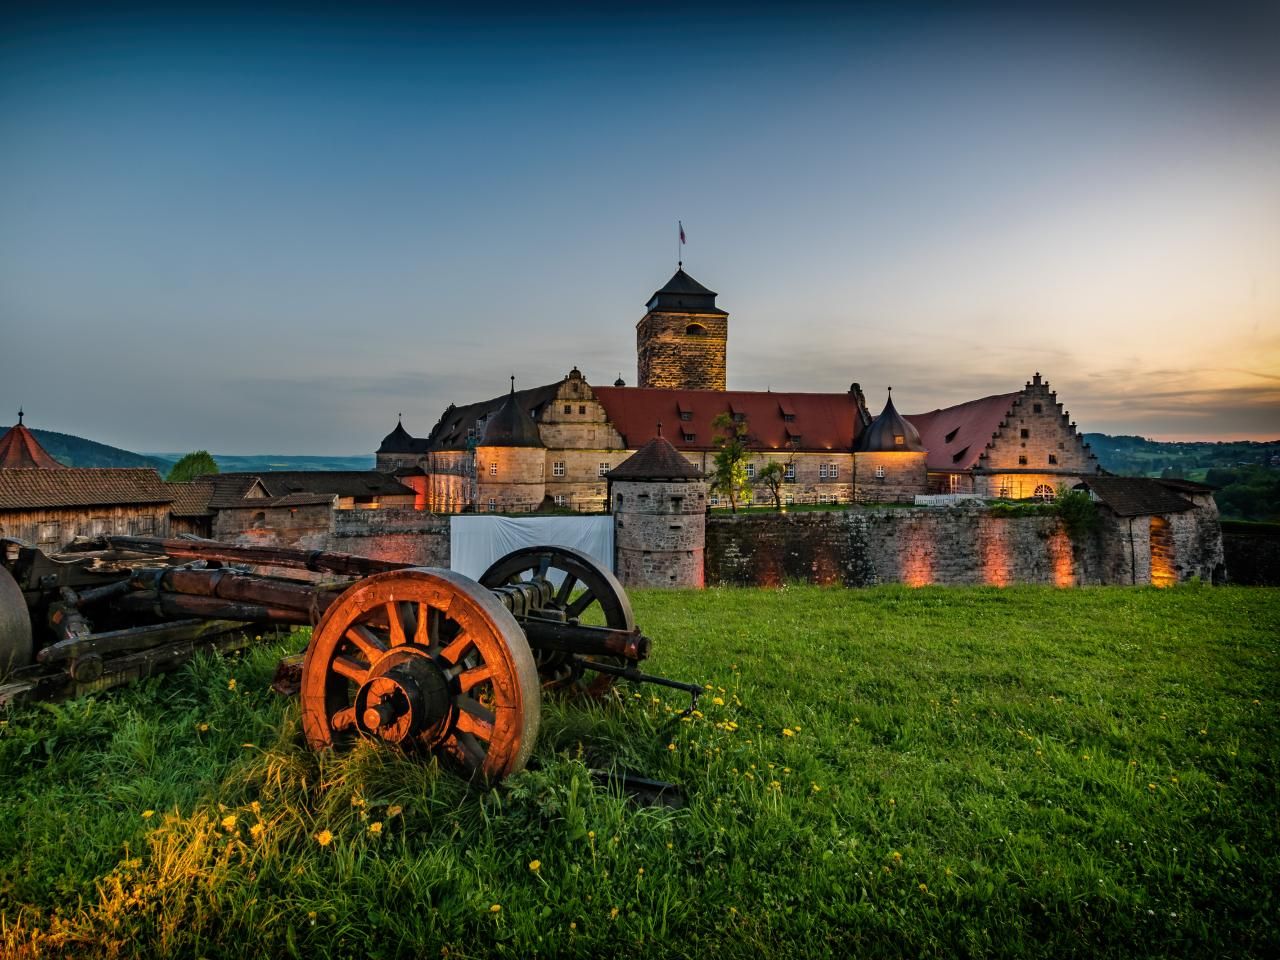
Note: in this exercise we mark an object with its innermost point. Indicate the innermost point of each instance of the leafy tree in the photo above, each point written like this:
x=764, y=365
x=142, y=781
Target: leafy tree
x=771, y=476
x=729, y=479
x=197, y=464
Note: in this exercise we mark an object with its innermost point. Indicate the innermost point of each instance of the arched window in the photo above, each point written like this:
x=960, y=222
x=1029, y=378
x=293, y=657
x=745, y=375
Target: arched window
x=259, y=520
x=695, y=330
x=1045, y=492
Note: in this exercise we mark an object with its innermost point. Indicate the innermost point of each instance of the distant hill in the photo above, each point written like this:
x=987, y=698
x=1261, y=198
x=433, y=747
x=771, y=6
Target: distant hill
x=78, y=452
x=258, y=463
x=1138, y=456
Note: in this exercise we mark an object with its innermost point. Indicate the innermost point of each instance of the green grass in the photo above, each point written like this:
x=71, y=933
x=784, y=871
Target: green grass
x=969, y=772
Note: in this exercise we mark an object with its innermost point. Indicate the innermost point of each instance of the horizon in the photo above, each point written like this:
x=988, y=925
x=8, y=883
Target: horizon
x=241, y=230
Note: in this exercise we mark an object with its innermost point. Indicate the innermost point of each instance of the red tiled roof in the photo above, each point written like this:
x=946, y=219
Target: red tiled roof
x=19, y=450
x=822, y=421
x=656, y=460
x=87, y=487
x=956, y=436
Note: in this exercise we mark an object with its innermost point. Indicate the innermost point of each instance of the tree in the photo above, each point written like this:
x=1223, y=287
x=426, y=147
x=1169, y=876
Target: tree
x=771, y=476
x=729, y=478
x=197, y=464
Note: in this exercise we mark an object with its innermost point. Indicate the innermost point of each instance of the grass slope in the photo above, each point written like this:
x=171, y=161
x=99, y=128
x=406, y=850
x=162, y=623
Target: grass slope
x=884, y=772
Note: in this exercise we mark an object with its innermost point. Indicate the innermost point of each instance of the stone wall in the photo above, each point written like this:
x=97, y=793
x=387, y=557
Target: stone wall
x=1252, y=554
x=659, y=532
x=509, y=479
x=403, y=536
x=306, y=527
x=904, y=475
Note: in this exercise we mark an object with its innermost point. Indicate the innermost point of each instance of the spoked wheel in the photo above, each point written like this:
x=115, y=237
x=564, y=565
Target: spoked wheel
x=15, y=626
x=587, y=589
x=427, y=659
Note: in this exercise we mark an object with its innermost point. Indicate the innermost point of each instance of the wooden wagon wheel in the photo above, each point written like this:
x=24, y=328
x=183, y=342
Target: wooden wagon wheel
x=427, y=659
x=15, y=626
x=600, y=592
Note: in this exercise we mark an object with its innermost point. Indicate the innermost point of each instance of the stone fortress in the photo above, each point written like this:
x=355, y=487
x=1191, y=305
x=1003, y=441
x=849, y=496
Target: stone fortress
x=553, y=445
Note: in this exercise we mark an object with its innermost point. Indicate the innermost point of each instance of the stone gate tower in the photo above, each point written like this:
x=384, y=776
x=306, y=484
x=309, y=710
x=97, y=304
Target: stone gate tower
x=659, y=502
x=681, y=341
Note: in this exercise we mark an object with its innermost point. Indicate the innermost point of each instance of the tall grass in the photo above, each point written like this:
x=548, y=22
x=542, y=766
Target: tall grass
x=885, y=772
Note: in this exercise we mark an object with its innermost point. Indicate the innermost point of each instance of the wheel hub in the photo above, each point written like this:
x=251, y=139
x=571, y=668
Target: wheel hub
x=407, y=697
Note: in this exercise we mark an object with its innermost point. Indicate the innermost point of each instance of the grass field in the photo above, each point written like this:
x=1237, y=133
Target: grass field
x=884, y=772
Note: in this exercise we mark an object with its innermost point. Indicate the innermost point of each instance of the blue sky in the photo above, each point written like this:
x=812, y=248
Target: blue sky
x=271, y=233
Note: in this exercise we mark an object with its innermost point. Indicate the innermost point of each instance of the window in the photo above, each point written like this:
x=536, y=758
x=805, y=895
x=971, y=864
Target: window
x=822, y=471
x=618, y=502
x=259, y=520
x=1003, y=492
x=49, y=531
x=493, y=469
x=751, y=471
x=880, y=473
x=695, y=330
x=582, y=408
x=833, y=471
x=739, y=418
x=1022, y=459
x=789, y=417
x=689, y=437
x=568, y=408
x=1053, y=458
x=542, y=468
x=686, y=415
x=789, y=499
x=562, y=500
x=791, y=472
x=1024, y=433
x=715, y=500
x=823, y=498
x=602, y=469
x=557, y=468
x=951, y=436
x=899, y=440
x=1036, y=408
x=1044, y=492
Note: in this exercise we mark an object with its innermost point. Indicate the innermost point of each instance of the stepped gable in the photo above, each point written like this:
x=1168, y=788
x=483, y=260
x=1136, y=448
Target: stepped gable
x=806, y=422
x=25, y=489
x=399, y=440
x=889, y=433
x=683, y=294
x=656, y=460
x=1142, y=496
x=956, y=436
x=457, y=428
x=20, y=450
x=511, y=425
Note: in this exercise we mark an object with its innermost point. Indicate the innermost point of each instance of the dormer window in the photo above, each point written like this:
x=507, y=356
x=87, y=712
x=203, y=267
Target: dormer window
x=789, y=417
x=951, y=436
x=686, y=416
x=899, y=440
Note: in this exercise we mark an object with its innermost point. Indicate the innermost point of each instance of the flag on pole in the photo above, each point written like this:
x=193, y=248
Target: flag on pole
x=682, y=240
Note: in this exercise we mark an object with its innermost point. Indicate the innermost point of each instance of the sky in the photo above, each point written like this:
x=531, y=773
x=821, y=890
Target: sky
x=273, y=232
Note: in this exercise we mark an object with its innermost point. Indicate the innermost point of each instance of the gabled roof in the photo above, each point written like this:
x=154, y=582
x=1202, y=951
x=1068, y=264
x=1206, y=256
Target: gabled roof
x=1138, y=496
x=20, y=450
x=456, y=425
x=656, y=460
x=956, y=436
x=26, y=489
x=822, y=421
x=511, y=425
x=343, y=483
x=400, y=441
x=884, y=433
x=190, y=499
x=683, y=294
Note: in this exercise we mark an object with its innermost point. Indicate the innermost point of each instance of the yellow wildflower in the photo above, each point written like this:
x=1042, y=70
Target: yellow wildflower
x=897, y=857
x=1151, y=786
x=202, y=727
x=376, y=827
x=671, y=746
x=924, y=888
x=591, y=834
x=231, y=684
x=719, y=701
x=535, y=865
x=613, y=913
x=640, y=872
x=788, y=732
x=256, y=807
x=495, y=908
x=357, y=801
x=324, y=838
x=148, y=814
x=816, y=788
x=229, y=822
x=256, y=830
x=394, y=810
x=573, y=925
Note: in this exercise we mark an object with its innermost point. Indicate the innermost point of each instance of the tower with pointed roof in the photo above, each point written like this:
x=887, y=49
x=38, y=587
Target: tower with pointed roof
x=889, y=459
x=682, y=339
x=510, y=460
x=20, y=450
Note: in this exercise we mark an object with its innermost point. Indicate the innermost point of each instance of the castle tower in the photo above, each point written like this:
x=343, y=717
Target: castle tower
x=889, y=460
x=20, y=450
x=510, y=460
x=681, y=341
x=659, y=502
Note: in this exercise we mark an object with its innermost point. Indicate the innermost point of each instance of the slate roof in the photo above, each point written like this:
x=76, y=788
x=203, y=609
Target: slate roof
x=683, y=294
x=26, y=489
x=656, y=460
x=881, y=436
x=451, y=432
x=511, y=426
x=344, y=483
x=400, y=441
x=820, y=421
x=1138, y=496
x=20, y=450
x=956, y=436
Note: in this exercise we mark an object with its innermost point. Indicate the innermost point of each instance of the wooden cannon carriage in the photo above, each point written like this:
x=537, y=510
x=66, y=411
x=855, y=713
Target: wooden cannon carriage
x=420, y=657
